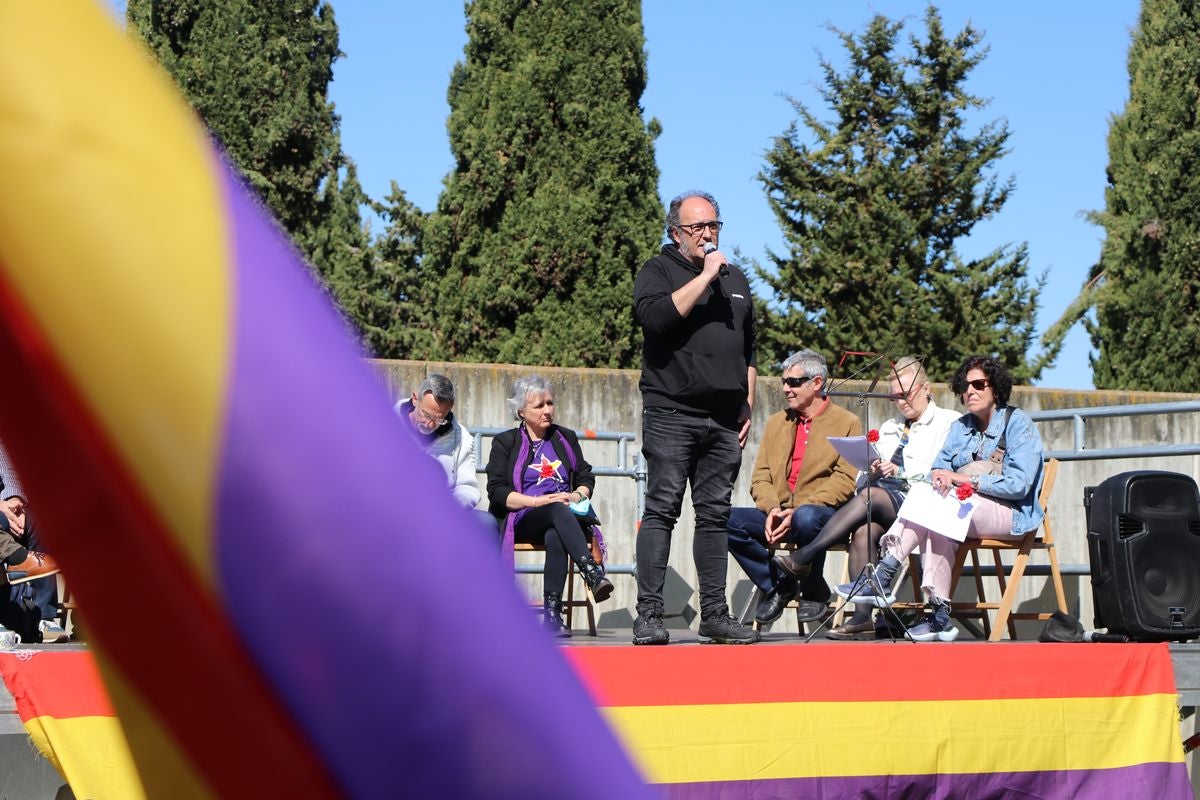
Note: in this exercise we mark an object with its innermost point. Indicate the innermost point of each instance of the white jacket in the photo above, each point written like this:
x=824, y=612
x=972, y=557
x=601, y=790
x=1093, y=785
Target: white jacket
x=454, y=449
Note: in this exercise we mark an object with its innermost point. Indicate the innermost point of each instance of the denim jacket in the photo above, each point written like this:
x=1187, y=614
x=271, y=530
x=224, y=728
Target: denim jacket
x=1020, y=480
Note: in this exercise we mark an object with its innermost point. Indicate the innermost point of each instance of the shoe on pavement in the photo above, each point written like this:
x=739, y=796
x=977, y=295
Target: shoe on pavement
x=724, y=629
x=52, y=632
x=850, y=629
x=648, y=628
x=935, y=626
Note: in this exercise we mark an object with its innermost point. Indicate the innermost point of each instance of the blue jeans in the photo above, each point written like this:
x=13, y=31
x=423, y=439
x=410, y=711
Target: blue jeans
x=681, y=449
x=748, y=543
x=23, y=606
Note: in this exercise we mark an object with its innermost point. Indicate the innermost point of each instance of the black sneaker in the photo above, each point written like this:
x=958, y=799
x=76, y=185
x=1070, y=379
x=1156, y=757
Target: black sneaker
x=648, y=628
x=724, y=629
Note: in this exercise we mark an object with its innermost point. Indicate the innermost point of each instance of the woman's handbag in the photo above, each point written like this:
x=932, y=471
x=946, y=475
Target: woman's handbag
x=993, y=463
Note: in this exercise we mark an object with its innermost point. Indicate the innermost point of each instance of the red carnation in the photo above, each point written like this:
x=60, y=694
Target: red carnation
x=964, y=491
x=872, y=436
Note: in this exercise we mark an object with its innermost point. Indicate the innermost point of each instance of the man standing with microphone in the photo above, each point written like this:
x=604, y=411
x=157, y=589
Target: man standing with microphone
x=698, y=374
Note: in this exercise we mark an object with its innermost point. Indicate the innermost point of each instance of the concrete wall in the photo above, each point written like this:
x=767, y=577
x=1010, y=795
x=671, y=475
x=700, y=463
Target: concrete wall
x=608, y=400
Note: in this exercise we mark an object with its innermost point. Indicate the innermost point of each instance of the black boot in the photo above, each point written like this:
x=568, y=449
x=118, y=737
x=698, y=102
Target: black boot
x=552, y=620
x=599, y=586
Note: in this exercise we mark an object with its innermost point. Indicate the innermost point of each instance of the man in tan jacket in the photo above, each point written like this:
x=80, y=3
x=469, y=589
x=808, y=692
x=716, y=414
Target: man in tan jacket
x=799, y=481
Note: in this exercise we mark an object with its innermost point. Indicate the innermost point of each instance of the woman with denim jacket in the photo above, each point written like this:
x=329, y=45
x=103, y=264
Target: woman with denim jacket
x=1007, y=505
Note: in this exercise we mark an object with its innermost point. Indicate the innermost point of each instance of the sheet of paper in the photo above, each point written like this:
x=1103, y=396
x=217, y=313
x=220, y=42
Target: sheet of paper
x=947, y=515
x=855, y=449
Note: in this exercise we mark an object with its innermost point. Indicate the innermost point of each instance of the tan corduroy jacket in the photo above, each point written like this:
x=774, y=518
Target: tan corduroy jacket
x=825, y=477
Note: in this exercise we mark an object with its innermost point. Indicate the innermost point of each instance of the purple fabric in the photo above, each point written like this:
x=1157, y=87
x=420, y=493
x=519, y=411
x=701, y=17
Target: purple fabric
x=507, y=556
x=349, y=570
x=522, y=484
x=1156, y=780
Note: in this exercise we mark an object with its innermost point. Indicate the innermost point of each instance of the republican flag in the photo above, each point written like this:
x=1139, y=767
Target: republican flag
x=283, y=596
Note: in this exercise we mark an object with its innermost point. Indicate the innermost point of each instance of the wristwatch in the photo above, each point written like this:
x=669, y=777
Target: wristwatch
x=974, y=481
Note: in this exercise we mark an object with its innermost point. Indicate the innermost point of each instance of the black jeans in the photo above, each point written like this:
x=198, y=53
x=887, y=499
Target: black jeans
x=682, y=449
x=555, y=526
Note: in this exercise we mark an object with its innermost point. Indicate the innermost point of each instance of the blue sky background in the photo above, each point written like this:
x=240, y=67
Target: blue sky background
x=718, y=74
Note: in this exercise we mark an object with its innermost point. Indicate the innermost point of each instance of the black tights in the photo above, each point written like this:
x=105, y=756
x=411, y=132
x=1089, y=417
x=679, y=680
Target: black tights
x=554, y=525
x=850, y=522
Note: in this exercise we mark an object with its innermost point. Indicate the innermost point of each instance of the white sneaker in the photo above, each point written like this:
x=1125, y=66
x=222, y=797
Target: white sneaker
x=52, y=632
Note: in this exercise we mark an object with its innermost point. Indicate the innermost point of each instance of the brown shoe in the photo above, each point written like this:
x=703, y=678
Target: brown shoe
x=851, y=630
x=787, y=562
x=36, y=565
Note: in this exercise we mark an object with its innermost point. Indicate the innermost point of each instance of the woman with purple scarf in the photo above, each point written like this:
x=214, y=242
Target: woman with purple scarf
x=536, y=472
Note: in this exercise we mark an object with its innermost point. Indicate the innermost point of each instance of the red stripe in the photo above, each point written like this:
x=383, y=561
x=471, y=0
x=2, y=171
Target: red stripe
x=59, y=685
x=160, y=626
x=694, y=675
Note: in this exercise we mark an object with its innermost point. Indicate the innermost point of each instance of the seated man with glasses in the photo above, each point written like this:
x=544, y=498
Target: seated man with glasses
x=799, y=481
x=430, y=417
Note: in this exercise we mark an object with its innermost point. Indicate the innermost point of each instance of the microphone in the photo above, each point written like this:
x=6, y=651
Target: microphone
x=710, y=247
x=1105, y=638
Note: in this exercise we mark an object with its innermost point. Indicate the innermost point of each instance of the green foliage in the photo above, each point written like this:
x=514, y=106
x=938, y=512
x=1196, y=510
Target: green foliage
x=258, y=74
x=1146, y=283
x=552, y=206
x=873, y=204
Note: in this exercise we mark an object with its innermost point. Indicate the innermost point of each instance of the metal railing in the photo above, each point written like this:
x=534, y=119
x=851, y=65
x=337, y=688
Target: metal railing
x=631, y=464
x=1080, y=452
x=1079, y=417
x=626, y=467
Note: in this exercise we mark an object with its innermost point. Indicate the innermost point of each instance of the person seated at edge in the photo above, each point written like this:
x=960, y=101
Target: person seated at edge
x=799, y=480
x=534, y=472
x=907, y=446
x=28, y=606
x=431, y=420
x=1007, y=504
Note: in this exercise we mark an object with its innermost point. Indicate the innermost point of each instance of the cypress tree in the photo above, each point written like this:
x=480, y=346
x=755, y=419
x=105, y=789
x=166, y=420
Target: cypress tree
x=873, y=204
x=552, y=205
x=1145, y=286
x=258, y=74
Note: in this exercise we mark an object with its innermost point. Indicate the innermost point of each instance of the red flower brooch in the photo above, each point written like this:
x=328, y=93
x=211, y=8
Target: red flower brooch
x=872, y=436
x=964, y=491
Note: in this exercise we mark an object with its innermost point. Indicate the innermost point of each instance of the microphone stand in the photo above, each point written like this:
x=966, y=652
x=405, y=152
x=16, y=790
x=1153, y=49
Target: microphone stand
x=869, y=577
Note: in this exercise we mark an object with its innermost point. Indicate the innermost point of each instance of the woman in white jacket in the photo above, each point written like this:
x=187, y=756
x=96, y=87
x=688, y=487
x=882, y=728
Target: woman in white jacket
x=907, y=445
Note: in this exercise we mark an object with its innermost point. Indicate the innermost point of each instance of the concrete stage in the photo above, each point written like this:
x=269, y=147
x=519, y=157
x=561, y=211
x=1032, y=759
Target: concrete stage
x=612, y=668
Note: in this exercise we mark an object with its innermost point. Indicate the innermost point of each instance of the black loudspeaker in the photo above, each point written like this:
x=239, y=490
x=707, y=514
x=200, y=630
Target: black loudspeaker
x=1144, y=546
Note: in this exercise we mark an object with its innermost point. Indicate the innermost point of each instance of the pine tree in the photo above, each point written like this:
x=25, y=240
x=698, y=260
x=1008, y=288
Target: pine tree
x=258, y=74
x=1145, y=287
x=552, y=206
x=873, y=210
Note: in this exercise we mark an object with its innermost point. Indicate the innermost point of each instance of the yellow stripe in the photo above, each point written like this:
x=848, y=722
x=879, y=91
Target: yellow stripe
x=165, y=769
x=91, y=755
x=111, y=232
x=686, y=744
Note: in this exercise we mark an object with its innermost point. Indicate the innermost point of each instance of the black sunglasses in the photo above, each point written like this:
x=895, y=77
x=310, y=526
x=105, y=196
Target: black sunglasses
x=796, y=383
x=979, y=384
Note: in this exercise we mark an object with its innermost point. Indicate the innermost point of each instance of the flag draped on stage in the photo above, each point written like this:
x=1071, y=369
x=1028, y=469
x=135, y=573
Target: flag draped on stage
x=67, y=713
x=274, y=578
x=832, y=721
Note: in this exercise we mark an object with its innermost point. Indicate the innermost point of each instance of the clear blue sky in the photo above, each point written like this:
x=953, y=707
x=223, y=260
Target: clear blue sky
x=718, y=72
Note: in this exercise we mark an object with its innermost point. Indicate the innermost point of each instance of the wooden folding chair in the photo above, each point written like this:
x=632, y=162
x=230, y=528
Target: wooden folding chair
x=569, y=601
x=1041, y=538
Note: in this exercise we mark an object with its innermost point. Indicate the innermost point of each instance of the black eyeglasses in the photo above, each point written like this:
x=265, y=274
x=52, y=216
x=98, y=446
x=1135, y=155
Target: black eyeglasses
x=697, y=228
x=796, y=383
x=979, y=384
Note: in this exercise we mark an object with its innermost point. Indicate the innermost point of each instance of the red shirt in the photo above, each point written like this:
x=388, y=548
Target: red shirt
x=802, y=426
